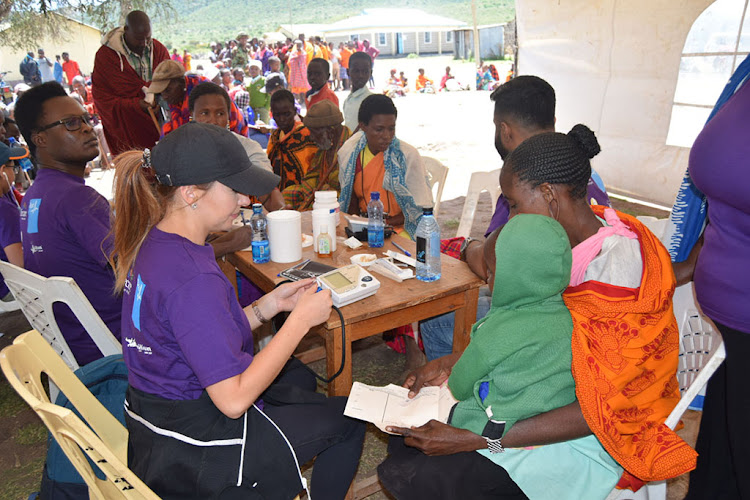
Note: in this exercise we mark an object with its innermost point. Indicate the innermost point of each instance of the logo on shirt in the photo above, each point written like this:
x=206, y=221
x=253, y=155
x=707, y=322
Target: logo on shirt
x=37, y=249
x=143, y=349
x=33, y=223
x=140, y=287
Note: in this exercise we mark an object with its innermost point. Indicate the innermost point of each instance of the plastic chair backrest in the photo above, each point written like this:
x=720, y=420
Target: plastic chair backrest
x=701, y=350
x=36, y=294
x=480, y=181
x=104, y=440
x=437, y=173
x=701, y=353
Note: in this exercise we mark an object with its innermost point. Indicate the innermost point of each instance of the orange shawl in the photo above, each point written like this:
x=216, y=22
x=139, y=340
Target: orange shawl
x=625, y=349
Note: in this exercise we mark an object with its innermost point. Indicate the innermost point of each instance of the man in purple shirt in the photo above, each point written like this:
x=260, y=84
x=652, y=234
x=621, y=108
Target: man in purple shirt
x=524, y=107
x=65, y=224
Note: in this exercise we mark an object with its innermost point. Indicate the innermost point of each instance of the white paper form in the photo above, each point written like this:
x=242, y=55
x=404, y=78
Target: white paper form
x=390, y=405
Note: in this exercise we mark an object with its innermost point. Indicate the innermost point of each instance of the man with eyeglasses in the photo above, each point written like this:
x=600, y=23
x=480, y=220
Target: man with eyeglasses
x=124, y=64
x=64, y=223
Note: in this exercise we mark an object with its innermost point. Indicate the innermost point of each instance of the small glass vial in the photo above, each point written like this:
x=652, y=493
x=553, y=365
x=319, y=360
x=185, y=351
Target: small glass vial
x=323, y=245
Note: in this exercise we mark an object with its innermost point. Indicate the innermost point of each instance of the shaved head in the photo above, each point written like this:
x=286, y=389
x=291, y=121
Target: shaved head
x=138, y=20
x=137, y=31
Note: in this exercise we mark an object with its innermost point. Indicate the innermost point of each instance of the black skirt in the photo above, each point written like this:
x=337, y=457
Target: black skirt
x=189, y=449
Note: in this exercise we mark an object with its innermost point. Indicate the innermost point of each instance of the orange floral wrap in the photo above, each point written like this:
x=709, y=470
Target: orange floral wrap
x=625, y=350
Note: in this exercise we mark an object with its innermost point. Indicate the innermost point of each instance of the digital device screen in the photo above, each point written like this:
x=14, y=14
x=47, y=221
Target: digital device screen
x=337, y=280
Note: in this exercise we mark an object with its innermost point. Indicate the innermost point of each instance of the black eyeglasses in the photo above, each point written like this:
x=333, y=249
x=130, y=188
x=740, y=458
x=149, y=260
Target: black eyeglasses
x=72, y=123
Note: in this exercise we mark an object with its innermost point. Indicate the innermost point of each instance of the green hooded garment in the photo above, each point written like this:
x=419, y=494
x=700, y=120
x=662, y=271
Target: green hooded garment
x=521, y=349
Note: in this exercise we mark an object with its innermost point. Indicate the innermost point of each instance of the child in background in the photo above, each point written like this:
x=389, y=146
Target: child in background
x=259, y=100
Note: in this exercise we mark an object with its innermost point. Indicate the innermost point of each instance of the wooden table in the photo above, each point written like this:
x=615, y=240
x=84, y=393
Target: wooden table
x=395, y=304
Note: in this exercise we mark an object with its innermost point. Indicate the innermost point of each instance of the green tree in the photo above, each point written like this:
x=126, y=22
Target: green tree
x=24, y=23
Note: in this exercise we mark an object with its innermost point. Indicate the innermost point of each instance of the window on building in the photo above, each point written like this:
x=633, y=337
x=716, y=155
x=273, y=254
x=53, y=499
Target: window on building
x=427, y=37
x=717, y=43
x=354, y=38
x=449, y=36
x=382, y=40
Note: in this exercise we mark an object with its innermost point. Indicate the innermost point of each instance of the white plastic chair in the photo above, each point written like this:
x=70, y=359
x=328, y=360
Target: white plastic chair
x=95, y=435
x=480, y=181
x=36, y=294
x=701, y=353
x=437, y=173
x=6, y=307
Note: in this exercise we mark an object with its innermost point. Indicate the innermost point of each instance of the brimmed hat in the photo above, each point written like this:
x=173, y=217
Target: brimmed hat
x=165, y=72
x=7, y=153
x=255, y=63
x=199, y=153
x=323, y=114
x=273, y=81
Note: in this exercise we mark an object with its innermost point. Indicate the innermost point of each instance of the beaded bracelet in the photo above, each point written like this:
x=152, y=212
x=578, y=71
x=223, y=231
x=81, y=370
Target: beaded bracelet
x=257, y=312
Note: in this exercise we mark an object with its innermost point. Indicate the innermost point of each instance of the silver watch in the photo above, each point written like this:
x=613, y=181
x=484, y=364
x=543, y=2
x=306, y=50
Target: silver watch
x=494, y=445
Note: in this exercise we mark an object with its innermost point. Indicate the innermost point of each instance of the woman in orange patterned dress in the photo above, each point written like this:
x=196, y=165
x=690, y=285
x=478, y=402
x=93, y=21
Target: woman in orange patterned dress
x=624, y=346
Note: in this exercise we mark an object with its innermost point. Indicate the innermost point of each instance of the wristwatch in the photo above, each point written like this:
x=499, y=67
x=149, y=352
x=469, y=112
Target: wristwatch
x=464, y=246
x=494, y=445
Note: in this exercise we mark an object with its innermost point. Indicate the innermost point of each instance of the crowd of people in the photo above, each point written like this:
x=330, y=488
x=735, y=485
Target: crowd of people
x=571, y=369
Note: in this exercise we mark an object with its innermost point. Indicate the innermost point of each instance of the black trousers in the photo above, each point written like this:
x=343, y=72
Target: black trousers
x=409, y=474
x=723, y=446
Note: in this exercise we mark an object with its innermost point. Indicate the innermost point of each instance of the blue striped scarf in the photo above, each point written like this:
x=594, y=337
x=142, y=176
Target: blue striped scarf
x=394, y=181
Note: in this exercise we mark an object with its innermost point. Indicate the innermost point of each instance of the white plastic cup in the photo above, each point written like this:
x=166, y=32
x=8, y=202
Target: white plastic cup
x=324, y=217
x=285, y=235
x=328, y=200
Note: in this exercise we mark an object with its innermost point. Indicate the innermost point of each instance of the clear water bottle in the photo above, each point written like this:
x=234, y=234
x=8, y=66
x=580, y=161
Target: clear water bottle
x=259, y=226
x=25, y=163
x=428, y=247
x=375, y=221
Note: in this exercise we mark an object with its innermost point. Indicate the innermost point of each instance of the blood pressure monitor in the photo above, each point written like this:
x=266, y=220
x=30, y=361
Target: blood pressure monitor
x=349, y=284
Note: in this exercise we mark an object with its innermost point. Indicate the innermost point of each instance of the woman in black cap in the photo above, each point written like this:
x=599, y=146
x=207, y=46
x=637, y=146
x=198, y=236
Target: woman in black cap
x=206, y=418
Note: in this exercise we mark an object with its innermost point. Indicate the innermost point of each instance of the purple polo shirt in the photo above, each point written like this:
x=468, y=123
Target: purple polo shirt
x=10, y=230
x=596, y=194
x=182, y=327
x=65, y=226
x=719, y=167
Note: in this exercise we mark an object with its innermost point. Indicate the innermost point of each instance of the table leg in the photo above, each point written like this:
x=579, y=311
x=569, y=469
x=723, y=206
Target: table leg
x=335, y=349
x=229, y=271
x=465, y=318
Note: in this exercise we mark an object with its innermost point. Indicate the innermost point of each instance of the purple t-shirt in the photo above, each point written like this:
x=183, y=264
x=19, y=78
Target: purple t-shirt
x=719, y=167
x=596, y=194
x=182, y=327
x=65, y=226
x=10, y=230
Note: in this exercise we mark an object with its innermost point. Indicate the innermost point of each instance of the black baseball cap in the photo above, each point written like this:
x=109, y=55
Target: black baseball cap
x=199, y=153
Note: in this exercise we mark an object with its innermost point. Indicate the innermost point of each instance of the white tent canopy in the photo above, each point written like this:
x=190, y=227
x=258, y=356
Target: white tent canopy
x=614, y=65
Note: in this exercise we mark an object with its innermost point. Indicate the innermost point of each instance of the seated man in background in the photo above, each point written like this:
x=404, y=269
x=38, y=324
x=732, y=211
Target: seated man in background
x=170, y=81
x=325, y=122
x=64, y=223
x=524, y=107
x=290, y=147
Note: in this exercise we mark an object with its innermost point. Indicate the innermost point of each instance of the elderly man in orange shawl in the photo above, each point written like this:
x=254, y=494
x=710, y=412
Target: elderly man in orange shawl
x=325, y=122
x=174, y=86
x=624, y=347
